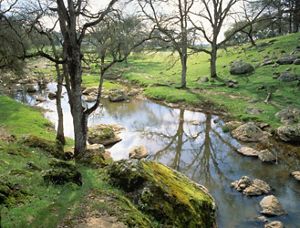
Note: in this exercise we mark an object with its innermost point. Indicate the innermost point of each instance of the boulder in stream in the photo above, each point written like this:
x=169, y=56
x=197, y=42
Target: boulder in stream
x=296, y=175
x=117, y=96
x=31, y=88
x=289, y=133
x=105, y=134
x=250, y=187
x=138, y=152
x=271, y=206
x=249, y=132
x=274, y=224
x=248, y=151
x=163, y=193
x=266, y=156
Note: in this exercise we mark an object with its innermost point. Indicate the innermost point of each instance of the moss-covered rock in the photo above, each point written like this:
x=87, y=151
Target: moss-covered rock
x=62, y=172
x=96, y=156
x=53, y=148
x=105, y=134
x=170, y=197
x=10, y=193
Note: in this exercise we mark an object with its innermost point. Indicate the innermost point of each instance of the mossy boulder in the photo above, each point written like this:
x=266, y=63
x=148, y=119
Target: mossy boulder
x=105, y=134
x=241, y=67
x=10, y=193
x=62, y=172
x=53, y=148
x=165, y=194
x=96, y=156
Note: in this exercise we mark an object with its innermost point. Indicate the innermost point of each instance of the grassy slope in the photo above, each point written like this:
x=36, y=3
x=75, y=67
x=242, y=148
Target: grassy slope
x=47, y=206
x=150, y=69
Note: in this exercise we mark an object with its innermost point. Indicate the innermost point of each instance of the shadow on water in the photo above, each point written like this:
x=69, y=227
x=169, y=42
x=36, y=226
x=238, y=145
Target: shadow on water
x=194, y=144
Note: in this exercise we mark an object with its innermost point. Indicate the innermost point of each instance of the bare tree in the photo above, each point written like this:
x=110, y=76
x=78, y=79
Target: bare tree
x=209, y=22
x=173, y=26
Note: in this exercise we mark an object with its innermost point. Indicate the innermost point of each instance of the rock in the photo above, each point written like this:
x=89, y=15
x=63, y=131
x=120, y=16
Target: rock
x=62, y=172
x=205, y=79
x=289, y=115
x=40, y=99
x=297, y=62
x=247, y=151
x=258, y=187
x=289, y=133
x=289, y=59
x=287, y=77
x=241, y=184
x=262, y=219
x=96, y=156
x=231, y=125
x=274, y=224
x=165, y=194
x=53, y=148
x=249, y=132
x=105, y=134
x=296, y=175
x=241, y=67
x=90, y=98
x=267, y=62
x=10, y=192
x=138, y=152
x=32, y=166
x=90, y=91
x=254, y=111
x=250, y=187
x=266, y=156
x=117, y=96
x=31, y=88
x=133, y=92
x=271, y=206
x=52, y=95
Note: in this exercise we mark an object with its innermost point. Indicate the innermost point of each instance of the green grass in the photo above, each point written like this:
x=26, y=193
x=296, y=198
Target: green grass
x=21, y=120
x=153, y=69
x=45, y=205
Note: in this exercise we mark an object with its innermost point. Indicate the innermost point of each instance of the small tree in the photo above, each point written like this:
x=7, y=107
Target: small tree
x=173, y=26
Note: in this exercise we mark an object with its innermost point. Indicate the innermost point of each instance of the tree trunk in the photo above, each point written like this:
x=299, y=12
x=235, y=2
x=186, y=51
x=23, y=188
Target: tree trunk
x=296, y=16
x=183, y=70
x=213, y=62
x=60, y=125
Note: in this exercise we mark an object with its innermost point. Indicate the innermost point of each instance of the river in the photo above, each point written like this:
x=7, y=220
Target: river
x=194, y=144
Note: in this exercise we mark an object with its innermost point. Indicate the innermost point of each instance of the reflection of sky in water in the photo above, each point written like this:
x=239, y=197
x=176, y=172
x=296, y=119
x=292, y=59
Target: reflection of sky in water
x=194, y=144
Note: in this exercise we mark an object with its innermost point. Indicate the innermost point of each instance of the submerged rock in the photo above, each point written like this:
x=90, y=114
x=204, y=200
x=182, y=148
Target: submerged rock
x=52, y=95
x=250, y=187
x=271, y=206
x=249, y=132
x=62, y=172
x=170, y=197
x=138, y=152
x=105, y=134
x=296, y=175
x=241, y=67
x=266, y=156
x=30, y=88
x=274, y=224
x=289, y=133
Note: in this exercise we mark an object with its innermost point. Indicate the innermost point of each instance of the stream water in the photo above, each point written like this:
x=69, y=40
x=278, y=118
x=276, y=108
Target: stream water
x=194, y=144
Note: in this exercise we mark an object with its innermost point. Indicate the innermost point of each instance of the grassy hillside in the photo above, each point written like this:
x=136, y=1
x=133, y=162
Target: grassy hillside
x=32, y=202
x=153, y=70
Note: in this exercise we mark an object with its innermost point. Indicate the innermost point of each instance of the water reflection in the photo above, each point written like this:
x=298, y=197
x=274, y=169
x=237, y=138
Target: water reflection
x=194, y=144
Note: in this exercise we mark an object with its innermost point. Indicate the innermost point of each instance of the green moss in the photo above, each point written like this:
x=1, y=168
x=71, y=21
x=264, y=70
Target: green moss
x=166, y=195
